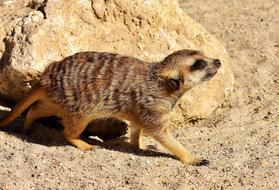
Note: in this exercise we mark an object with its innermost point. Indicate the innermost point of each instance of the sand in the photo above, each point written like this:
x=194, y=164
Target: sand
x=241, y=138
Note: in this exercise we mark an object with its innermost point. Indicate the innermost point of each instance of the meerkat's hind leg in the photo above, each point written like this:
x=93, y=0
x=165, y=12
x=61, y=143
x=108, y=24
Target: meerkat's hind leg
x=169, y=142
x=73, y=130
x=136, y=137
x=38, y=110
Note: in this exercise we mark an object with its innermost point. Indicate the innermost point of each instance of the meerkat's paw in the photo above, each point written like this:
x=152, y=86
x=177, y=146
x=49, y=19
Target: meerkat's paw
x=195, y=162
x=201, y=162
x=142, y=147
x=80, y=144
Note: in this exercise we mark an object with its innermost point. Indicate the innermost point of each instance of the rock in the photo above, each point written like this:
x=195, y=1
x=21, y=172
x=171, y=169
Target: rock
x=35, y=33
x=106, y=129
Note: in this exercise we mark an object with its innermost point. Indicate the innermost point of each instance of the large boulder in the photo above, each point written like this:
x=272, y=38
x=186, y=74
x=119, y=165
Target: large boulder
x=35, y=33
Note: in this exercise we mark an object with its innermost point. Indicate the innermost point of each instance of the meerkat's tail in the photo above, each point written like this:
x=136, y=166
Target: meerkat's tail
x=34, y=95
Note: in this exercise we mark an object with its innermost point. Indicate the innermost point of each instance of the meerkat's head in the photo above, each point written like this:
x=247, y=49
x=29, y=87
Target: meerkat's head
x=185, y=69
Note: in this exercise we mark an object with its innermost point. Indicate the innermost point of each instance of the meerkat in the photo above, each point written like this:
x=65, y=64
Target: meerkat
x=91, y=85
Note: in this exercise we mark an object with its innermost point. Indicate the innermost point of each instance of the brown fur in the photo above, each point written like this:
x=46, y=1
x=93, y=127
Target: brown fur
x=90, y=85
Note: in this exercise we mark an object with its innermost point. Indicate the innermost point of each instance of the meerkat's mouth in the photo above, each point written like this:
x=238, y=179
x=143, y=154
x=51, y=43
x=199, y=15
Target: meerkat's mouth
x=209, y=75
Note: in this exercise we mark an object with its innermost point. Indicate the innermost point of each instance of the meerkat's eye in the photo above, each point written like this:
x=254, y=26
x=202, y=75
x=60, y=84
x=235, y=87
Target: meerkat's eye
x=198, y=65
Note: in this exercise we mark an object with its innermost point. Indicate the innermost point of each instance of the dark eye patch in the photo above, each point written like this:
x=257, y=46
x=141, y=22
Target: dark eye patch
x=198, y=65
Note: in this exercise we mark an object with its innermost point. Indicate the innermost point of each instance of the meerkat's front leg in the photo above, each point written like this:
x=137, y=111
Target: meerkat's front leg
x=169, y=142
x=136, y=137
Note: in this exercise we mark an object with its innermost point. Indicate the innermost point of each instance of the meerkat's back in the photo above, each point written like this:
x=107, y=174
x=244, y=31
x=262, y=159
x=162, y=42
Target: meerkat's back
x=89, y=81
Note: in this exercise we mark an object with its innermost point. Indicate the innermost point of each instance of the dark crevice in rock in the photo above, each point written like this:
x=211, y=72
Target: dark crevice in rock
x=42, y=9
x=6, y=57
x=99, y=9
x=38, y=6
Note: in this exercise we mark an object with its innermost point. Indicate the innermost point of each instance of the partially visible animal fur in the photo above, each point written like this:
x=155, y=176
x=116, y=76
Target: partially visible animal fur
x=91, y=85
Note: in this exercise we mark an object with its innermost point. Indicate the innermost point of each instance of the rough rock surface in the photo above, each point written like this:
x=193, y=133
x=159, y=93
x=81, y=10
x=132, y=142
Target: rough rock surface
x=36, y=33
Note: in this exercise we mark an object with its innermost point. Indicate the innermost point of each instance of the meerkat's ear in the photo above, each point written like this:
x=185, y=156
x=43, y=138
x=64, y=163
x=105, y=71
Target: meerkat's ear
x=172, y=79
x=173, y=83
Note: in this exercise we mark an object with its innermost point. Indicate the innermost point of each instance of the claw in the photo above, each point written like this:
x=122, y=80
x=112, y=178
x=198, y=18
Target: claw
x=202, y=163
x=197, y=162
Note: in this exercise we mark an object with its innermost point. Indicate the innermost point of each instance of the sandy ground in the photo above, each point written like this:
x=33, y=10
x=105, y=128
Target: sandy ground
x=241, y=139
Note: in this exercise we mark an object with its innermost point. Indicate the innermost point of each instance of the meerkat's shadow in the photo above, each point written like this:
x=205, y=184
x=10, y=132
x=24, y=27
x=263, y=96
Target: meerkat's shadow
x=120, y=144
x=39, y=134
x=50, y=134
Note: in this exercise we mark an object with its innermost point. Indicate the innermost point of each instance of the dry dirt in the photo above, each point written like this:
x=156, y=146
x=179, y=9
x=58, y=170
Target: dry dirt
x=241, y=139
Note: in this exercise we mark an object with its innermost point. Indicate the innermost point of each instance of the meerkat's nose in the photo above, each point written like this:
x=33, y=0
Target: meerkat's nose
x=217, y=63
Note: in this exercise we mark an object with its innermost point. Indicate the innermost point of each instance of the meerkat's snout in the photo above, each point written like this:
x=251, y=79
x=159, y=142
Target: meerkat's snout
x=217, y=63
x=212, y=69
